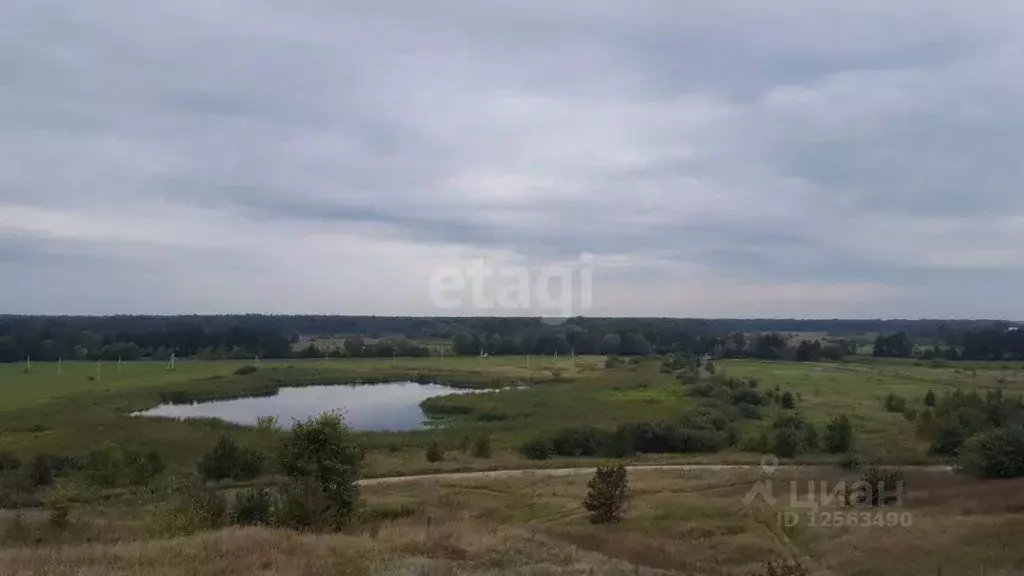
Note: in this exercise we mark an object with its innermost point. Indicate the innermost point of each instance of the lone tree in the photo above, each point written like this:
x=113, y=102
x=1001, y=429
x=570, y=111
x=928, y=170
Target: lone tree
x=323, y=464
x=607, y=494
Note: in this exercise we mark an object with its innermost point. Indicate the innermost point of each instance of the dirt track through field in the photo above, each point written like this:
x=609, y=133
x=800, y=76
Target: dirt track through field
x=499, y=474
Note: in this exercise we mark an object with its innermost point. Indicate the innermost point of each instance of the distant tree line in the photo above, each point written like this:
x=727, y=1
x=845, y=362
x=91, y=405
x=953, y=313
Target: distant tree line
x=47, y=338
x=996, y=342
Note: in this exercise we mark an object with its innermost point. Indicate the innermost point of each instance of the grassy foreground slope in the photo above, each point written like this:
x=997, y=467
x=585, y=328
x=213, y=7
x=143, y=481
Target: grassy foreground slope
x=692, y=522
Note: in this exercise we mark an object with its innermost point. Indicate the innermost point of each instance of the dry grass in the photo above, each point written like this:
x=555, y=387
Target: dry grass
x=680, y=522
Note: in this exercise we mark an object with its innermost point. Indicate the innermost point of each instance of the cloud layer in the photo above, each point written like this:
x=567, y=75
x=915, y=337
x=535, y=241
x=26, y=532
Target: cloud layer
x=719, y=159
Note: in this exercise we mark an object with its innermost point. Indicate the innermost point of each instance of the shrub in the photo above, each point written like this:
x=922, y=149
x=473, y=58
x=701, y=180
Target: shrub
x=324, y=464
x=246, y=370
x=9, y=461
x=612, y=362
x=787, y=443
x=536, y=449
x=749, y=411
x=141, y=468
x=254, y=507
x=303, y=506
x=910, y=414
x=60, y=509
x=105, y=466
x=810, y=438
x=880, y=487
x=929, y=398
x=894, y=403
x=229, y=460
x=607, y=494
x=434, y=452
x=41, y=470
x=482, y=446
x=267, y=423
x=948, y=437
x=839, y=435
x=190, y=507
x=760, y=443
x=747, y=396
x=997, y=453
x=584, y=441
x=786, y=400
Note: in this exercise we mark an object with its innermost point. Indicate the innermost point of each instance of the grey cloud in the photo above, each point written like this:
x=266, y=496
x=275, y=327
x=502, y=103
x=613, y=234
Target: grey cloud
x=757, y=143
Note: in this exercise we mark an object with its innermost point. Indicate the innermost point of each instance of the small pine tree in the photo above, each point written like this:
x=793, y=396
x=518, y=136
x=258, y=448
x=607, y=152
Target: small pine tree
x=607, y=495
x=811, y=440
x=929, y=399
x=787, y=443
x=434, y=452
x=787, y=401
x=839, y=435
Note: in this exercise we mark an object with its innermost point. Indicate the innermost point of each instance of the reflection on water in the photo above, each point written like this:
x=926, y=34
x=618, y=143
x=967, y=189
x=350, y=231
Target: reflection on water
x=390, y=406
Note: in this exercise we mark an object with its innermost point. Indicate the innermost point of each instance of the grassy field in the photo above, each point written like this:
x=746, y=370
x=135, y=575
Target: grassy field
x=676, y=522
x=691, y=522
x=85, y=405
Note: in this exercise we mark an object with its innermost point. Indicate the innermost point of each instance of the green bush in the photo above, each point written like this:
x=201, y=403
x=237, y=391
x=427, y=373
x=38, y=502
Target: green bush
x=189, y=507
x=246, y=370
x=749, y=411
x=536, y=449
x=104, y=466
x=881, y=485
x=607, y=494
x=482, y=446
x=786, y=401
x=948, y=438
x=323, y=463
x=254, y=507
x=997, y=453
x=303, y=505
x=747, y=396
x=41, y=470
x=9, y=461
x=142, y=467
x=582, y=441
x=929, y=399
x=895, y=403
x=811, y=440
x=267, y=423
x=787, y=443
x=839, y=435
x=227, y=459
x=435, y=453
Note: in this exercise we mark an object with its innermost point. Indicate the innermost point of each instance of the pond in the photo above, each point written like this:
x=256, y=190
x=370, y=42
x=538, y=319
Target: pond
x=392, y=406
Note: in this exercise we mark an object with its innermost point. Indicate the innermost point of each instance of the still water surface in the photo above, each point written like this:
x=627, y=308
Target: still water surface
x=389, y=406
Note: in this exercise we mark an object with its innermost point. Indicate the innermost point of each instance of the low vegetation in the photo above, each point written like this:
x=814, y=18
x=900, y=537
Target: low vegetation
x=607, y=494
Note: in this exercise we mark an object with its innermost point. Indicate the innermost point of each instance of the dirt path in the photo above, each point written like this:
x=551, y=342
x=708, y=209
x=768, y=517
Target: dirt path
x=499, y=474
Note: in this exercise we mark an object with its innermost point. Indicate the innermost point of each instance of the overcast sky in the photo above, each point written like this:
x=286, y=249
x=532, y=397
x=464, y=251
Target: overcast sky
x=793, y=158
